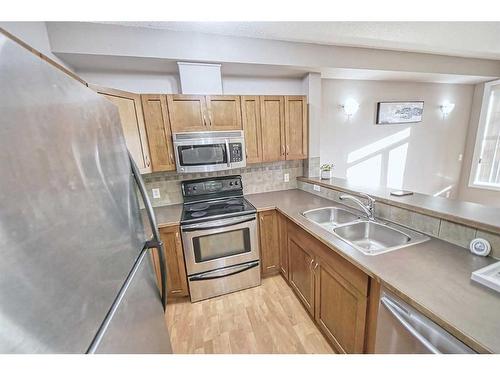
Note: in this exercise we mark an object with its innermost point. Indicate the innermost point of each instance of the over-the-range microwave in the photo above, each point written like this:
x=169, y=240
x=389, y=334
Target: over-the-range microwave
x=209, y=151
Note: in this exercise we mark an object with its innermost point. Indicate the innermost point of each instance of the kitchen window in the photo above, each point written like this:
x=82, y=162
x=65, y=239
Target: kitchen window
x=485, y=172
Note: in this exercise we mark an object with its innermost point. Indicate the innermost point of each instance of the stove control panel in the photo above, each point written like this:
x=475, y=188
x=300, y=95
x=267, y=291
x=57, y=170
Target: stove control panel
x=212, y=186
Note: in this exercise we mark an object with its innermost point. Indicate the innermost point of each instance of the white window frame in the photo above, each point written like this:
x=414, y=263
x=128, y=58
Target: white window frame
x=481, y=129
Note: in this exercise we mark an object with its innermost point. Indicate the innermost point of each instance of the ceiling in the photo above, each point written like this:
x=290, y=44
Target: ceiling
x=465, y=39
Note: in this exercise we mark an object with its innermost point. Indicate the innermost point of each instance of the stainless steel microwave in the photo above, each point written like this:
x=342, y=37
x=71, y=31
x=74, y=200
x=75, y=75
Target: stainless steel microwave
x=209, y=151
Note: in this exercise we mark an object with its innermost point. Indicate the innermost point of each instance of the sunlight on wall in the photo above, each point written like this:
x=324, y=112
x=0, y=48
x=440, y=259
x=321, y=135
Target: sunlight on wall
x=379, y=145
x=443, y=192
x=382, y=162
x=396, y=166
x=367, y=172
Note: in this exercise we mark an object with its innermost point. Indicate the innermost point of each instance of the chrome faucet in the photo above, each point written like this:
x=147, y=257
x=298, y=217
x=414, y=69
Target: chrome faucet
x=368, y=209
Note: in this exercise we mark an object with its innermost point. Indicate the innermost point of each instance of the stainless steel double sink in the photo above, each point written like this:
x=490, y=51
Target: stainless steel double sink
x=371, y=237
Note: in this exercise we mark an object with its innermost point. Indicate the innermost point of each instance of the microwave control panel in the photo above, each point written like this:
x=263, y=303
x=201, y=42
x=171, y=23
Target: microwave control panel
x=236, y=152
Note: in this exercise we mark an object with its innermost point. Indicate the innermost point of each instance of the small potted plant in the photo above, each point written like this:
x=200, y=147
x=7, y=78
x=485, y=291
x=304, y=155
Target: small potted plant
x=326, y=171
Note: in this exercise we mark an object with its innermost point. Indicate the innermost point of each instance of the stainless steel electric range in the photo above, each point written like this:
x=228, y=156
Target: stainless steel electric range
x=219, y=233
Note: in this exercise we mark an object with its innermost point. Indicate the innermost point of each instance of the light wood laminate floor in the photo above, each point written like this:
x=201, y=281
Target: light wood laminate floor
x=265, y=319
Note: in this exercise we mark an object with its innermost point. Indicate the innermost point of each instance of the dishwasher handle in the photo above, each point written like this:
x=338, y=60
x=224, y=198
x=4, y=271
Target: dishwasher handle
x=393, y=308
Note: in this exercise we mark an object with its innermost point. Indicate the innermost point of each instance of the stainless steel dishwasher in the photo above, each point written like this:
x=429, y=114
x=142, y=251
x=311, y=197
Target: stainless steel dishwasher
x=403, y=330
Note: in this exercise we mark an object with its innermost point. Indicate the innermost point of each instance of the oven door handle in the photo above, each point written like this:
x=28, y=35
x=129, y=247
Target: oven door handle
x=217, y=274
x=219, y=224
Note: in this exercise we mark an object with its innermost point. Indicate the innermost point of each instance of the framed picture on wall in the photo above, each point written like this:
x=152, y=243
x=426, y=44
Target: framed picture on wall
x=399, y=112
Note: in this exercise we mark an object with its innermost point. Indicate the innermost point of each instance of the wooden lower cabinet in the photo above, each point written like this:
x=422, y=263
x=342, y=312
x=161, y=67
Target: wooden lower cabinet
x=333, y=291
x=340, y=310
x=177, y=285
x=283, y=245
x=269, y=238
x=301, y=275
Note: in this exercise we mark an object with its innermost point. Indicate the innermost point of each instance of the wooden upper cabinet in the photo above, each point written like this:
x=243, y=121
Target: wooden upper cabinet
x=130, y=110
x=250, y=114
x=296, y=127
x=188, y=113
x=158, y=132
x=177, y=285
x=224, y=112
x=340, y=310
x=269, y=239
x=272, y=109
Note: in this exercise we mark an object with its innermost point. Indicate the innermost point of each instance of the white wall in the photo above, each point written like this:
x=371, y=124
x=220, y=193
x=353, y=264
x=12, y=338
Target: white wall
x=35, y=35
x=421, y=157
x=239, y=85
x=466, y=193
x=137, y=82
x=142, y=83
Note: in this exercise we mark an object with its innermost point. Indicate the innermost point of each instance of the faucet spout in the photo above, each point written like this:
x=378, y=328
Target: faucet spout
x=368, y=208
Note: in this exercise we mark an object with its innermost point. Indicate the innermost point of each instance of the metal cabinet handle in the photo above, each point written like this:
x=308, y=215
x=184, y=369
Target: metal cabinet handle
x=283, y=150
x=310, y=264
x=148, y=163
x=315, y=266
x=287, y=149
x=171, y=158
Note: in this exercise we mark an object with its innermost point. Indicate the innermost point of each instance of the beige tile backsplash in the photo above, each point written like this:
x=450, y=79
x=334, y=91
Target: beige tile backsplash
x=257, y=178
x=455, y=233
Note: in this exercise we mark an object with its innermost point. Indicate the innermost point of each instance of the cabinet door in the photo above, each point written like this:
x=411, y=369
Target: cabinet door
x=269, y=249
x=300, y=272
x=283, y=245
x=340, y=310
x=130, y=110
x=158, y=130
x=187, y=113
x=250, y=114
x=272, y=110
x=296, y=127
x=224, y=112
x=177, y=285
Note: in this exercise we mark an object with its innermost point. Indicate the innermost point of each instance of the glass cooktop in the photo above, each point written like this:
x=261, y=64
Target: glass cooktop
x=211, y=210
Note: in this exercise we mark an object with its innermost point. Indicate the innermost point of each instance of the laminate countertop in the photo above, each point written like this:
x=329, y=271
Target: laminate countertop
x=434, y=276
x=467, y=213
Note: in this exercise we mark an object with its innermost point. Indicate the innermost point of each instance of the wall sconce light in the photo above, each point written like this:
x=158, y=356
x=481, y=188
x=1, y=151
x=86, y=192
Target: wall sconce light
x=446, y=108
x=350, y=107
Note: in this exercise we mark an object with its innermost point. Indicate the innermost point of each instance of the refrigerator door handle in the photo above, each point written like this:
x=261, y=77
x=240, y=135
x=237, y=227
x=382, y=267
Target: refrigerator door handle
x=155, y=242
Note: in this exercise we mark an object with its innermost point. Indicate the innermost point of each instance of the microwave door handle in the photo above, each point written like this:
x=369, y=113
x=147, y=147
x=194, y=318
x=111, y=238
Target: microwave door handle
x=195, y=227
x=392, y=307
x=228, y=154
x=155, y=242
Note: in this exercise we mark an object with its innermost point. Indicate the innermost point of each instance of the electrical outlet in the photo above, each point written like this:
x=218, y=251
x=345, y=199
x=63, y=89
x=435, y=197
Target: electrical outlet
x=460, y=157
x=156, y=193
x=286, y=177
x=316, y=188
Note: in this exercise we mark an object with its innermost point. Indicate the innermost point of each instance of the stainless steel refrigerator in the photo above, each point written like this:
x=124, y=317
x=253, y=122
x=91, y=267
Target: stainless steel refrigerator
x=76, y=274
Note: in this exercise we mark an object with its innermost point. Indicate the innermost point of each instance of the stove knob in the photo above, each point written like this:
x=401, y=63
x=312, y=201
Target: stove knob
x=236, y=182
x=194, y=187
x=231, y=183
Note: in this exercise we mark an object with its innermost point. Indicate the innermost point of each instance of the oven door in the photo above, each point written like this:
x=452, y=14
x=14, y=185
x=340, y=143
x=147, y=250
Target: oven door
x=220, y=243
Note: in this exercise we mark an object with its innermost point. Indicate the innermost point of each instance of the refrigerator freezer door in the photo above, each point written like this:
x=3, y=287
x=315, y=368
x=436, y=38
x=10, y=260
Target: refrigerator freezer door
x=137, y=325
x=70, y=226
